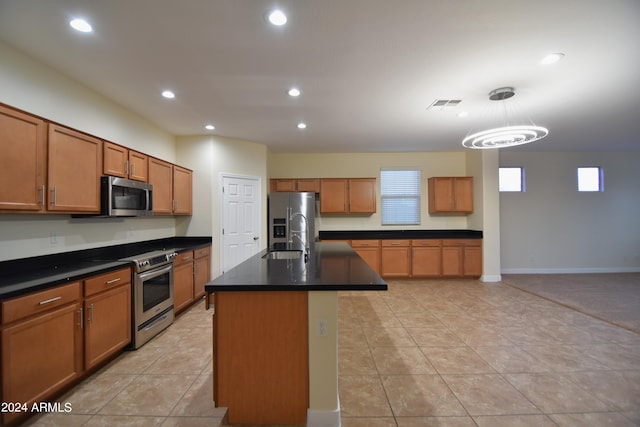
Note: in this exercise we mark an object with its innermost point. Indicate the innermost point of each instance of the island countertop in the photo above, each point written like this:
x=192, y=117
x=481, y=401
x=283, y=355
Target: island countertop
x=331, y=266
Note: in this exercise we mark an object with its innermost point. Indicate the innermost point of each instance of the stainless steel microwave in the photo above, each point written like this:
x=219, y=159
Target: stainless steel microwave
x=125, y=197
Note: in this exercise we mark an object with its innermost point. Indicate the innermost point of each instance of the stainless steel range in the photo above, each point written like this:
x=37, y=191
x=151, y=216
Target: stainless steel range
x=152, y=294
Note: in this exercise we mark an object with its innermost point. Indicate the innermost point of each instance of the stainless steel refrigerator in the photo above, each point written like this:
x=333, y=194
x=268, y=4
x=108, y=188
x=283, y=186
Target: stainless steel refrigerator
x=291, y=220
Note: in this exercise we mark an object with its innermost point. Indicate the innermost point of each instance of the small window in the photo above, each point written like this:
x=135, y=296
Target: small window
x=590, y=179
x=400, y=196
x=511, y=179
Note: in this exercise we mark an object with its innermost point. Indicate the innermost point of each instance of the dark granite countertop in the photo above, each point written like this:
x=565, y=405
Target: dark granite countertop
x=330, y=266
x=26, y=275
x=399, y=234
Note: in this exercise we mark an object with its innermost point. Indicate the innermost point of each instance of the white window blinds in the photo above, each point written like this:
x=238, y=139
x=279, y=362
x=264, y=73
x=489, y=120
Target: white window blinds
x=400, y=196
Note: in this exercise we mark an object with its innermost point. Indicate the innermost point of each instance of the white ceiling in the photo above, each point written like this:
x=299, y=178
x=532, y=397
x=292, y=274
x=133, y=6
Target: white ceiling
x=367, y=69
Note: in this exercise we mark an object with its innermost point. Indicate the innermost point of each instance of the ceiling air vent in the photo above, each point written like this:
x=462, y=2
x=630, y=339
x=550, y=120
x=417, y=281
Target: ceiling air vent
x=443, y=104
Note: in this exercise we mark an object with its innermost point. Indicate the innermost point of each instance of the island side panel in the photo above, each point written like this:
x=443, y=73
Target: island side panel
x=261, y=356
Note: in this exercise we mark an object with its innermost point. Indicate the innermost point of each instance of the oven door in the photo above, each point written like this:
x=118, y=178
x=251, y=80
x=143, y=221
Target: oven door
x=153, y=293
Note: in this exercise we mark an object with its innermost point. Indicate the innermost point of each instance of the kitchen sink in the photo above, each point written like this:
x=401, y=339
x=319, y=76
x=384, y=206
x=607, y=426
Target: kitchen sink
x=292, y=254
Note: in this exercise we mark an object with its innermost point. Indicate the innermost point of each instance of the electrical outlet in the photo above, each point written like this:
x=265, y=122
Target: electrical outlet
x=53, y=237
x=321, y=328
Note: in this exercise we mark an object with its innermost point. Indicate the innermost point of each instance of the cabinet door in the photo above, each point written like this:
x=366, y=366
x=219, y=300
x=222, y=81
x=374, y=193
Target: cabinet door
x=200, y=275
x=116, y=160
x=440, y=194
x=371, y=256
x=472, y=261
x=40, y=356
x=395, y=258
x=75, y=167
x=161, y=177
x=283, y=185
x=108, y=324
x=463, y=194
x=182, y=286
x=334, y=195
x=308, y=185
x=182, y=204
x=452, y=260
x=22, y=163
x=362, y=195
x=138, y=166
x=426, y=258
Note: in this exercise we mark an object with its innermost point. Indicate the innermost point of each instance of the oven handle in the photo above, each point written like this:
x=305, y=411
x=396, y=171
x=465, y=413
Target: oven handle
x=155, y=273
x=155, y=323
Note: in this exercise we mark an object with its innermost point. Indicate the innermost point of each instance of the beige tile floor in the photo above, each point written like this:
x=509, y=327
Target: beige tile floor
x=424, y=353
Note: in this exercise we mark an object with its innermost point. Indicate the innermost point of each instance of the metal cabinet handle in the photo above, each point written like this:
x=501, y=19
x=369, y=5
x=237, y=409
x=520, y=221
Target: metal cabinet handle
x=126, y=167
x=90, y=317
x=50, y=300
x=133, y=169
x=55, y=195
x=112, y=281
x=42, y=195
x=80, y=317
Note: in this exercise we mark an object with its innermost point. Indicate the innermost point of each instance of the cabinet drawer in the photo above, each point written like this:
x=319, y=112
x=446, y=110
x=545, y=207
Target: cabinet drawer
x=365, y=243
x=184, y=257
x=391, y=242
x=38, y=302
x=426, y=242
x=202, y=252
x=461, y=242
x=106, y=281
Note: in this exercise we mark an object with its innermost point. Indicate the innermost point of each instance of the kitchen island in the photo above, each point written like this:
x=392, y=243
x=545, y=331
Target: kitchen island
x=275, y=333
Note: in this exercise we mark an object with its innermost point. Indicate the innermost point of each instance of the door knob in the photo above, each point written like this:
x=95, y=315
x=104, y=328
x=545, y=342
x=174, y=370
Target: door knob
x=256, y=238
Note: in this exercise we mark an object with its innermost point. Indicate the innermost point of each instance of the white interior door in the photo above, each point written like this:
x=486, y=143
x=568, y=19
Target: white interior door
x=241, y=219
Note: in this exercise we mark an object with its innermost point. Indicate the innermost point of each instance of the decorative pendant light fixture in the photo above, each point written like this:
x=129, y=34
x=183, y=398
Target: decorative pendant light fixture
x=506, y=136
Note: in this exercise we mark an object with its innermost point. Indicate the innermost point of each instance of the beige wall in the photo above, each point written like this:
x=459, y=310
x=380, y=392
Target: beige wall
x=33, y=87
x=352, y=165
x=209, y=157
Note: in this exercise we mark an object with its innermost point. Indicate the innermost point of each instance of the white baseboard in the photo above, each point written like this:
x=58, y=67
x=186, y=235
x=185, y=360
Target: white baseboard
x=323, y=418
x=570, y=270
x=490, y=278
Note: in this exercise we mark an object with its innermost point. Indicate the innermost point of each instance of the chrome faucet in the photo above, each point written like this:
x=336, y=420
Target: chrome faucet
x=296, y=233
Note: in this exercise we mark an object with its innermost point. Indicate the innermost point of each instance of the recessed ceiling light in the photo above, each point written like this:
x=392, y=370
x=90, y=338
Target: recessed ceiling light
x=210, y=127
x=277, y=17
x=168, y=94
x=294, y=91
x=302, y=125
x=552, y=58
x=463, y=114
x=81, y=25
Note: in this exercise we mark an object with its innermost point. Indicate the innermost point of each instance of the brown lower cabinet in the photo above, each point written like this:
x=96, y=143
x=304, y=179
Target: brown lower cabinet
x=191, y=272
x=395, y=258
x=462, y=257
x=53, y=337
x=422, y=258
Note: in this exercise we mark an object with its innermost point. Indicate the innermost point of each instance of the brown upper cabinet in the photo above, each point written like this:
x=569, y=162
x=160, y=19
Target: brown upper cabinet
x=75, y=167
x=172, y=188
x=182, y=190
x=311, y=185
x=125, y=163
x=451, y=194
x=348, y=195
x=23, y=161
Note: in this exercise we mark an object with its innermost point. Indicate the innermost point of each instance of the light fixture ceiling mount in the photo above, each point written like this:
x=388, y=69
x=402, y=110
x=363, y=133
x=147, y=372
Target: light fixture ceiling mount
x=506, y=136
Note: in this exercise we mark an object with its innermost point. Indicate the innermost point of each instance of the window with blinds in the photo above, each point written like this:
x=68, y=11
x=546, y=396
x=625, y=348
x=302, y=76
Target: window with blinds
x=400, y=196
